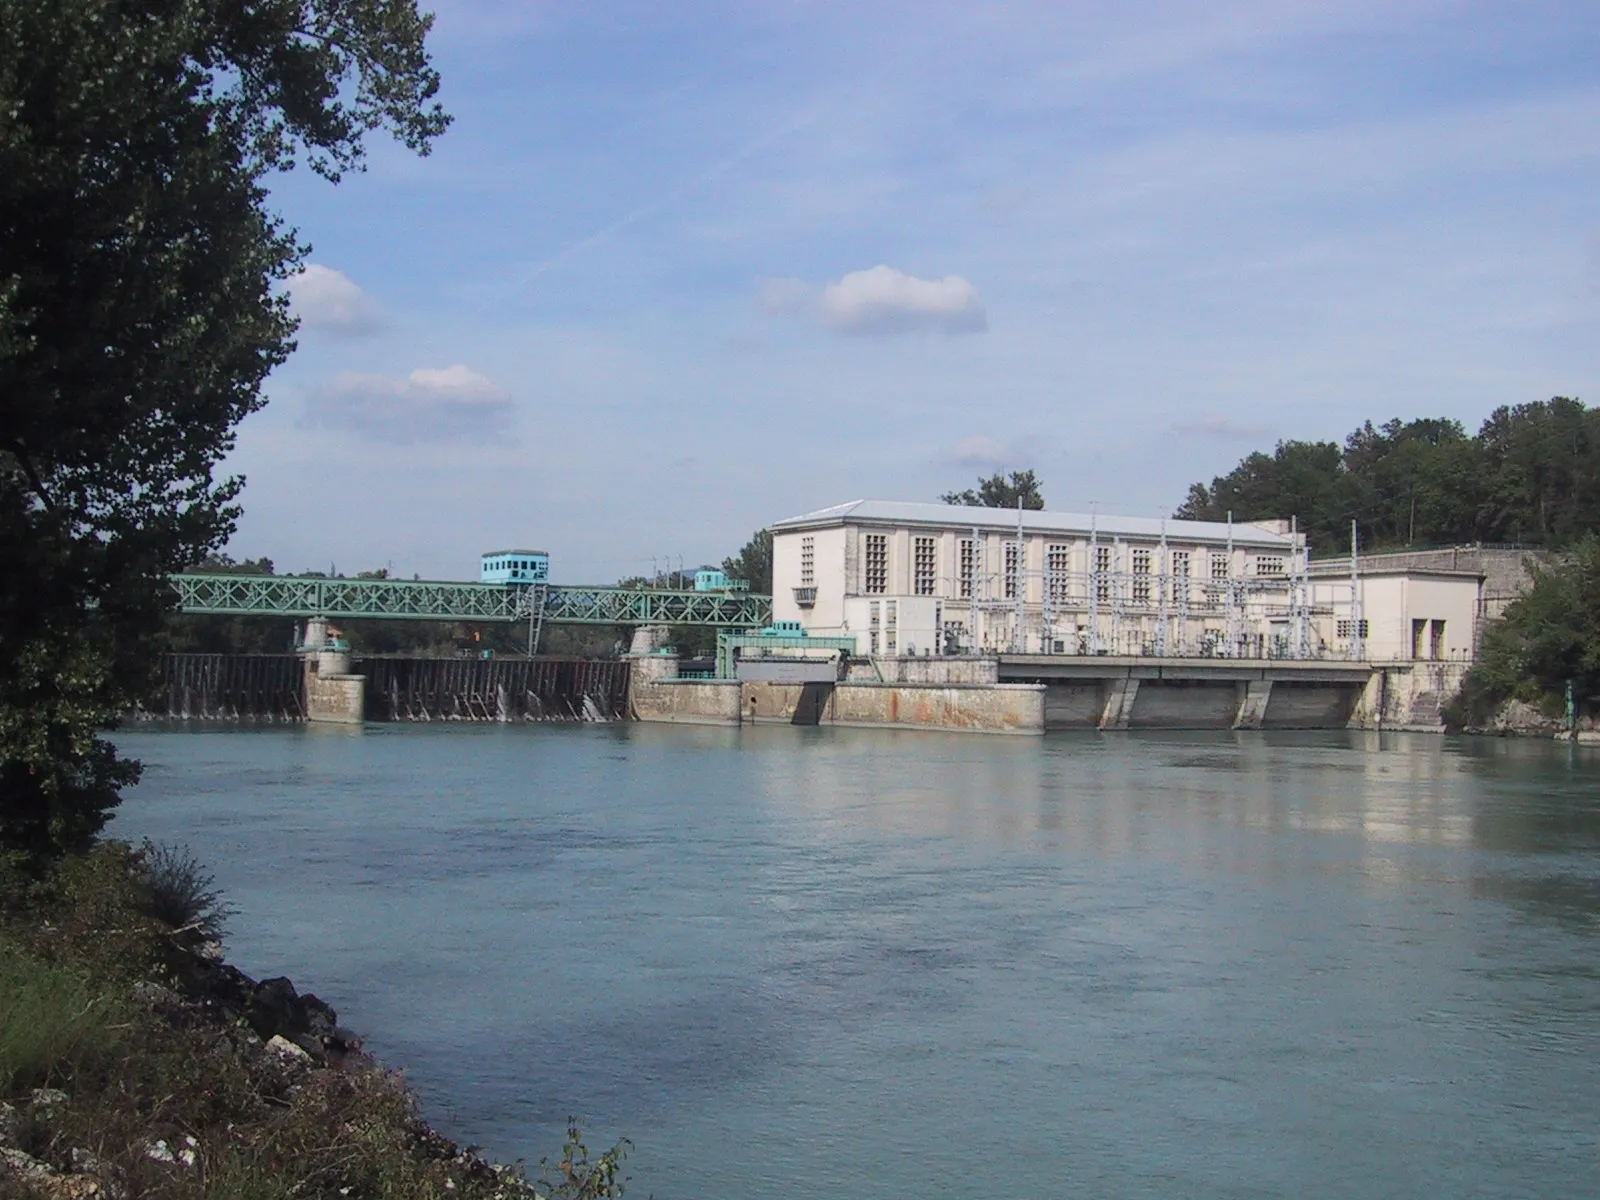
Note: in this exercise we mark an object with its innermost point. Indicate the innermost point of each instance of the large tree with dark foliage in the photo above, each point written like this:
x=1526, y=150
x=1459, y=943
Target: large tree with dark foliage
x=997, y=491
x=1531, y=474
x=140, y=310
x=1548, y=639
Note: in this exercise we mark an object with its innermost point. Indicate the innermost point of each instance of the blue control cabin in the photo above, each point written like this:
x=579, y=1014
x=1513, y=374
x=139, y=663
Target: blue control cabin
x=515, y=566
x=784, y=629
x=718, y=581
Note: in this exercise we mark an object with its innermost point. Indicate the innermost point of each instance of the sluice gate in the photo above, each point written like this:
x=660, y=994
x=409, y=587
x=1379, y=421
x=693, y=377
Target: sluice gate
x=272, y=687
x=268, y=687
x=495, y=689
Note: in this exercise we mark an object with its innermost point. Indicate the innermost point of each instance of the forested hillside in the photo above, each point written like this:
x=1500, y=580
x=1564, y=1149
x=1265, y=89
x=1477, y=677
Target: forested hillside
x=1531, y=474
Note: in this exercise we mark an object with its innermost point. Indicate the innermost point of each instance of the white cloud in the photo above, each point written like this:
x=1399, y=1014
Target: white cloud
x=454, y=403
x=880, y=301
x=328, y=300
x=884, y=300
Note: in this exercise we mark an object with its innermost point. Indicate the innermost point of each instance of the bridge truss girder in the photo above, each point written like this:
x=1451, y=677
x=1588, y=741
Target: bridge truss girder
x=424, y=600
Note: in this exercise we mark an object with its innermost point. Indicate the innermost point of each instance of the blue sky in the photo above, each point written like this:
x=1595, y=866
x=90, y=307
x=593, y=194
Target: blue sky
x=678, y=271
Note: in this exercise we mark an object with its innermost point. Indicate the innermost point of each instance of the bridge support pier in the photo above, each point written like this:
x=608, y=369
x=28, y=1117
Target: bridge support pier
x=1253, y=697
x=1120, y=694
x=333, y=694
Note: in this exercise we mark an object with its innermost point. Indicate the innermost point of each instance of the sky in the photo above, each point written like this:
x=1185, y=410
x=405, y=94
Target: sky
x=679, y=271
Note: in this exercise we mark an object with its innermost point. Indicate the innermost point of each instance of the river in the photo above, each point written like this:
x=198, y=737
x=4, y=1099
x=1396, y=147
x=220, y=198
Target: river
x=830, y=963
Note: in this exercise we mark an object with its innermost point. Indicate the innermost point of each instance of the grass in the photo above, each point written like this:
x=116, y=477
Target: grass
x=179, y=1071
x=53, y=1023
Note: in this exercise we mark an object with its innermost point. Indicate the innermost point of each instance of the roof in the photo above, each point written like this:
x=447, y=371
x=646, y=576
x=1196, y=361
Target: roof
x=499, y=553
x=904, y=512
x=1334, y=569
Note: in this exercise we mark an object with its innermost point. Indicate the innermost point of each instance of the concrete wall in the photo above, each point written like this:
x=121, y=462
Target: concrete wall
x=686, y=701
x=972, y=708
x=1185, y=704
x=978, y=708
x=1406, y=695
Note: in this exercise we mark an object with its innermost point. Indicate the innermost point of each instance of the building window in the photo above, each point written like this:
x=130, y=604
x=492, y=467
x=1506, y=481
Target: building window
x=1219, y=574
x=1437, y=644
x=922, y=562
x=1346, y=628
x=1141, y=577
x=1102, y=573
x=1012, y=556
x=890, y=627
x=1180, y=576
x=968, y=565
x=1058, y=563
x=1269, y=564
x=873, y=621
x=808, y=561
x=877, y=563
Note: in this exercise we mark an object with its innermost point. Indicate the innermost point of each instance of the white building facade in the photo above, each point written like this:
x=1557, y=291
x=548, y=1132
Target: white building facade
x=927, y=579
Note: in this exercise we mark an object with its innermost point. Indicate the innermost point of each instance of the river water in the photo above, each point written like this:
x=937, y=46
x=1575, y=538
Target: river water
x=830, y=963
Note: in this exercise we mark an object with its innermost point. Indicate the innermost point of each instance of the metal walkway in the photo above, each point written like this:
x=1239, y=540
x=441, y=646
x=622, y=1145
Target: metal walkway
x=408, y=600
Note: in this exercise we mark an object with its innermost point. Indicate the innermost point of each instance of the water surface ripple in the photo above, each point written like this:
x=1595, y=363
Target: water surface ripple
x=838, y=963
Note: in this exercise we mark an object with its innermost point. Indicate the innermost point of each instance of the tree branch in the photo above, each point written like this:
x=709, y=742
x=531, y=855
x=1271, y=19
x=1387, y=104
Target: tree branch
x=20, y=452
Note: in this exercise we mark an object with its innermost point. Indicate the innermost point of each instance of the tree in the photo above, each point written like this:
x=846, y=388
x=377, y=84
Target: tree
x=1299, y=479
x=1530, y=474
x=753, y=563
x=1548, y=637
x=999, y=492
x=140, y=310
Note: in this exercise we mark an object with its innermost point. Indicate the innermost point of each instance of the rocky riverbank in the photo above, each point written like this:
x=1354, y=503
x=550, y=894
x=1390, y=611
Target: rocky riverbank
x=134, y=1062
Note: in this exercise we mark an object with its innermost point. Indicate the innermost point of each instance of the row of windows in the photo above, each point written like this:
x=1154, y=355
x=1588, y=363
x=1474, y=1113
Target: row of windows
x=1057, y=561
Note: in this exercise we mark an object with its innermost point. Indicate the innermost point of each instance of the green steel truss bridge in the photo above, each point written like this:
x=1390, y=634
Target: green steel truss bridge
x=408, y=600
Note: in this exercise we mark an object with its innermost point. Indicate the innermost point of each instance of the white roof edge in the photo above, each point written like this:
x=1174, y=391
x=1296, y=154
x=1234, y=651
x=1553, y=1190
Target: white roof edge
x=1033, y=520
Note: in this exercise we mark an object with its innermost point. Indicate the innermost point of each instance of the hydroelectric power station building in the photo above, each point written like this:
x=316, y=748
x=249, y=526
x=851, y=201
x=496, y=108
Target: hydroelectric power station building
x=910, y=579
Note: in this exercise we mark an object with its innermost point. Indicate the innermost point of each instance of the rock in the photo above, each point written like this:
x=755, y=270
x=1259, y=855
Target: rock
x=185, y=1153
x=25, y=1167
x=155, y=995
x=274, y=1007
x=84, y=1162
x=47, y=1098
x=291, y=1052
x=10, y=1125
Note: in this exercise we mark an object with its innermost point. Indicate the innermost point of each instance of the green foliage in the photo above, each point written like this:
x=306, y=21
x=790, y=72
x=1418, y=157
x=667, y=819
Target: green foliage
x=182, y=893
x=574, y=1177
x=1531, y=474
x=1547, y=637
x=52, y=1021
x=140, y=310
x=999, y=492
x=753, y=563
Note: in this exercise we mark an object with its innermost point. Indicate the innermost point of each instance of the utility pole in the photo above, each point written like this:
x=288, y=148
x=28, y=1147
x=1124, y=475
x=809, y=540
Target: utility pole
x=1358, y=638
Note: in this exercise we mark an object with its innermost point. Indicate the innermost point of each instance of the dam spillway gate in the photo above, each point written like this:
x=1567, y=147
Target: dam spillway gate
x=272, y=687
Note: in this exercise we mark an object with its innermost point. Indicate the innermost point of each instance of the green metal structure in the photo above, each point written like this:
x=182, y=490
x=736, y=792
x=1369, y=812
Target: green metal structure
x=727, y=643
x=410, y=600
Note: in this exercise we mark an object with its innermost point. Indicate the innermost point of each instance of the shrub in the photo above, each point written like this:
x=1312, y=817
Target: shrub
x=51, y=1022
x=182, y=893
